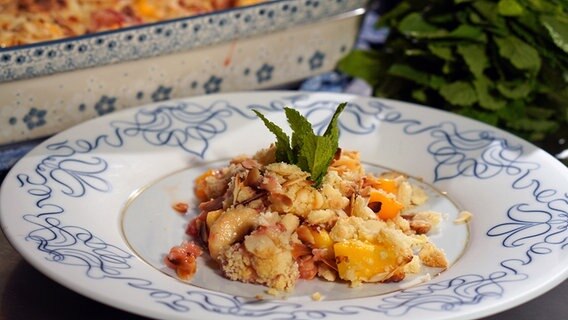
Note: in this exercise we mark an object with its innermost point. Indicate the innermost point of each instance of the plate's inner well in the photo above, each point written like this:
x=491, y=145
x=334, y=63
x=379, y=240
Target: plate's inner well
x=151, y=227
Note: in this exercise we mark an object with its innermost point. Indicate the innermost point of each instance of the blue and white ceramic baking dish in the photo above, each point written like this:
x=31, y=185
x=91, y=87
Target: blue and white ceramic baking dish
x=49, y=86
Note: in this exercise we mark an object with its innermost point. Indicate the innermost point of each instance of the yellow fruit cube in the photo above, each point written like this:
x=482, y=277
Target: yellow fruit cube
x=314, y=237
x=363, y=261
x=321, y=239
x=389, y=207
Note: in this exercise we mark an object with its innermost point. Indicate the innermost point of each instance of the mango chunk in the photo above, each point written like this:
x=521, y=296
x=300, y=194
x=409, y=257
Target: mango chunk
x=321, y=239
x=389, y=207
x=315, y=237
x=363, y=261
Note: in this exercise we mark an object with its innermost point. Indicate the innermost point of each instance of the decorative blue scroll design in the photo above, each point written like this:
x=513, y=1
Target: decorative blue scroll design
x=225, y=305
x=186, y=125
x=457, y=152
x=68, y=244
x=539, y=225
x=443, y=296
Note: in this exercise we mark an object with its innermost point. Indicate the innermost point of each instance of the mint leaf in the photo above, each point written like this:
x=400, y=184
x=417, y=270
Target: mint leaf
x=515, y=90
x=486, y=99
x=301, y=134
x=362, y=64
x=315, y=152
x=488, y=11
x=487, y=117
x=408, y=72
x=542, y=6
x=420, y=77
x=419, y=95
x=332, y=128
x=521, y=55
x=467, y=32
x=283, y=150
x=509, y=8
x=300, y=126
x=415, y=26
x=475, y=58
x=459, y=93
x=558, y=31
x=394, y=14
x=441, y=51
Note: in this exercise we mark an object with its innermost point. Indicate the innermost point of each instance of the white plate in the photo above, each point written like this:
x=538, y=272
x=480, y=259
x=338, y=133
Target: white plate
x=91, y=207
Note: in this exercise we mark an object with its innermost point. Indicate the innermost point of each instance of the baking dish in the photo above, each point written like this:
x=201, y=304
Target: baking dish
x=47, y=87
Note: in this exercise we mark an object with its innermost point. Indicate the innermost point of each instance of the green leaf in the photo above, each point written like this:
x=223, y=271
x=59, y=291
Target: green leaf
x=515, y=90
x=441, y=51
x=475, y=18
x=392, y=15
x=487, y=117
x=442, y=18
x=520, y=54
x=459, y=93
x=332, y=129
x=301, y=129
x=488, y=11
x=414, y=25
x=466, y=31
x=509, y=8
x=527, y=124
x=366, y=65
x=283, y=150
x=423, y=78
x=558, y=31
x=486, y=99
x=419, y=95
x=475, y=57
x=513, y=111
x=540, y=113
x=542, y=6
x=408, y=72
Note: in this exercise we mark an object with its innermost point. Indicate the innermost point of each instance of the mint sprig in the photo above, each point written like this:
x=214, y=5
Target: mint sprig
x=311, y=152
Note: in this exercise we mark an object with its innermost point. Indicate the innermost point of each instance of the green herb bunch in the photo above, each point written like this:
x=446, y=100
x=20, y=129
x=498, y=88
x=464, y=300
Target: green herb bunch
x=504, y=62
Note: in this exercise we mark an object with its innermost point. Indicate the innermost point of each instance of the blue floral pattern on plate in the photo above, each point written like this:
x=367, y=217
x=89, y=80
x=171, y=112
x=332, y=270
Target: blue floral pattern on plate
x=534, y=226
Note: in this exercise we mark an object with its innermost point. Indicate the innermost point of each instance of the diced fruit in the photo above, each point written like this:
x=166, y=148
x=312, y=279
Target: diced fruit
x=389, y=207
x=321, y=239
x=314, y=237
x=201, y=185
x=387, y=185
x=361, y=261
